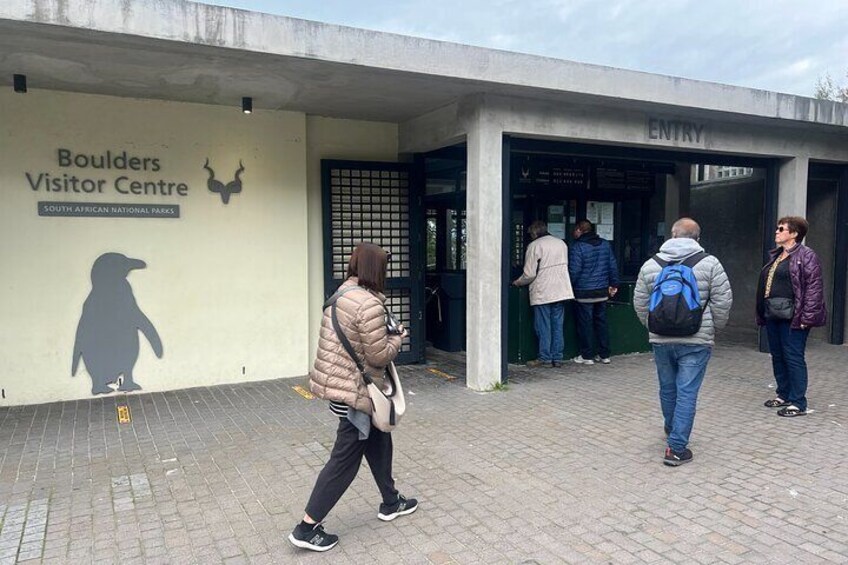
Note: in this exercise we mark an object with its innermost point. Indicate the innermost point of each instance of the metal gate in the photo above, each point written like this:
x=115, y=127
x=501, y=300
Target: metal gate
x=380, y=203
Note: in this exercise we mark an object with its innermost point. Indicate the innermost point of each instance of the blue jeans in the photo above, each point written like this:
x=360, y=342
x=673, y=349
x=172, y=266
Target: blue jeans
x=787, y=348
x=592, y=316
x=680, y=369
x=547, y=320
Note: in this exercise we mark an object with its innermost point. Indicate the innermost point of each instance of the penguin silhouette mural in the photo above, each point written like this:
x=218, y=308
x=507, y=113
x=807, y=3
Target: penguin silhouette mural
x=107, y=334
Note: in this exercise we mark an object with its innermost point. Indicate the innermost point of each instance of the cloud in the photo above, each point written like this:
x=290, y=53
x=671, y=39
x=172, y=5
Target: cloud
x=778, y=45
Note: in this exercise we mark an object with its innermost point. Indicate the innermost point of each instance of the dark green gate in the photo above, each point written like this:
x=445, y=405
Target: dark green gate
x=380, y=203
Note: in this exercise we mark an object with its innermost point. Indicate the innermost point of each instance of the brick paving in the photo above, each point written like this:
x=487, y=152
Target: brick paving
x=562, y=467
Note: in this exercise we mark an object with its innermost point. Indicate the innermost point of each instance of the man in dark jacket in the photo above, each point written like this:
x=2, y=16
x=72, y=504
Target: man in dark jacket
x=594, y=277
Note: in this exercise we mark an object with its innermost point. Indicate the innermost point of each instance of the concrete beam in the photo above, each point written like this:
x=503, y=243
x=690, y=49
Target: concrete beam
x=592, y=123
x=792, y=187
x=444, y=64
x=485, y=225
x=440, y=128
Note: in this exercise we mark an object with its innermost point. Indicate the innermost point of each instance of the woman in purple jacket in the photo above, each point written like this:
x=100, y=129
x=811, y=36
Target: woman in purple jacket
x=790, y=301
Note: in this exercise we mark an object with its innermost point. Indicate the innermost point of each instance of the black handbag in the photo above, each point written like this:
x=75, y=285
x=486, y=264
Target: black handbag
x=779, y=309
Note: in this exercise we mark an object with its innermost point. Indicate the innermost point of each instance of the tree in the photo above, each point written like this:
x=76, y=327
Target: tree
x=827, y=89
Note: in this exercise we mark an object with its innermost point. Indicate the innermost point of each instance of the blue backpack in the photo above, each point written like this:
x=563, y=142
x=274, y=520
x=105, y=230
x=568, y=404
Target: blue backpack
x=675, y=306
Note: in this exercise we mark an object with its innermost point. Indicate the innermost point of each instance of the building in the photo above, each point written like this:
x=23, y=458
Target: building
x=129, y=148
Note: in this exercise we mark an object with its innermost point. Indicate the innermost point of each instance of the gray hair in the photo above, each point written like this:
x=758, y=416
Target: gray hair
x=686, y=227
x=538, y=229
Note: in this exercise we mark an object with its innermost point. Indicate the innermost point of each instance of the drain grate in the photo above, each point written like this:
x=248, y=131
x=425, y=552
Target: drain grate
x=441, y=374
x=303, y=392
x=124, y=415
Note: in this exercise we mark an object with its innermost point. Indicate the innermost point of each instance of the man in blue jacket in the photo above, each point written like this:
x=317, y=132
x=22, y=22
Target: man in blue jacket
x=594, y=276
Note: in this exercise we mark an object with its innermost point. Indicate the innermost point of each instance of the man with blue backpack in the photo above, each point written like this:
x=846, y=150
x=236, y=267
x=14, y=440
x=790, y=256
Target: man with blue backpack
x=682, y=296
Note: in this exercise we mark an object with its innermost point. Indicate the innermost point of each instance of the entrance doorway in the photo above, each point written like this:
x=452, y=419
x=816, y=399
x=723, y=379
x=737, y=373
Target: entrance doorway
x=633, y=196
x=377, y=202
x=446, y=243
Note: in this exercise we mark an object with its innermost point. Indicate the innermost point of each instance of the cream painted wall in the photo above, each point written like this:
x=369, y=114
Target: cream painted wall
x=224, y=285
x=336, y=139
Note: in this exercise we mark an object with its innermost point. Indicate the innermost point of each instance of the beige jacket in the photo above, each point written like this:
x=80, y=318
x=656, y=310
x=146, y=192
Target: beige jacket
x=546, y=271
x=362, y=317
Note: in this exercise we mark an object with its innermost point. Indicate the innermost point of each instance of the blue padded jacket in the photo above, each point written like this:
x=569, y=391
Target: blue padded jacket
x=591, y=266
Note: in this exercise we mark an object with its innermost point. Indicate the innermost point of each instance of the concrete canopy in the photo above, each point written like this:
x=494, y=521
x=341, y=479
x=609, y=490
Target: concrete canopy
x=179, y=50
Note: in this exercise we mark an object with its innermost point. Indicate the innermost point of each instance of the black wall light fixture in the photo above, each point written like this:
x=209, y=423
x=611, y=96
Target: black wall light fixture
x=247, y=105
x=19, y=83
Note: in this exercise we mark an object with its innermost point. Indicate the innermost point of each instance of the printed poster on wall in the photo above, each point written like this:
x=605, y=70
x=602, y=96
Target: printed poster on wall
x=602, y=214
x=592, y=211
x=606, y=231
x=556, y=221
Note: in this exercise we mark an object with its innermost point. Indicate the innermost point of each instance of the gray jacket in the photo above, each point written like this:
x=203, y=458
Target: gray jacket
x=713, y=286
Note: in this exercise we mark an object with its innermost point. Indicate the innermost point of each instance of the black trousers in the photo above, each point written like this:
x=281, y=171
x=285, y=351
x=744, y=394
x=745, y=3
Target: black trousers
x=592, y=316
x=336, y=476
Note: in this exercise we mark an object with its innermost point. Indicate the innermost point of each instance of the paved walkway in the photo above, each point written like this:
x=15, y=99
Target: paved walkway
x=563, y=467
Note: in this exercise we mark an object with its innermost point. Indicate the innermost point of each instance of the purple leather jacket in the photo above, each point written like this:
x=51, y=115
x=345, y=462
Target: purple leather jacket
x=807, y=285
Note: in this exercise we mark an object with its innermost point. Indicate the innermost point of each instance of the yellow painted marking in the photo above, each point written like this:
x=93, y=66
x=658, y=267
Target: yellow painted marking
x=303, y=392
x=124, y=416
x=442, y=374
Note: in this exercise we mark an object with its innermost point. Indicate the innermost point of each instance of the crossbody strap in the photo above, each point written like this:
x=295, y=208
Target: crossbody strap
x=332, y=300
x=346, y=344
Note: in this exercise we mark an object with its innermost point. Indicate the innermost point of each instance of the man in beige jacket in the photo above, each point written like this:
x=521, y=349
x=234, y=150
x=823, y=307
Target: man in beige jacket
x=546, y=271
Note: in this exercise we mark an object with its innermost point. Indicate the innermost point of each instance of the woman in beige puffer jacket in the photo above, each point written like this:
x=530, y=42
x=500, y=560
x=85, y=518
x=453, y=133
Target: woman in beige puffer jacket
x=361, y=312
x=362, y=316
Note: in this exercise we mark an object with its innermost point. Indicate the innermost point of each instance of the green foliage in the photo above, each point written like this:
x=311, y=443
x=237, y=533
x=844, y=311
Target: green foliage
x=499, y=387
x=827, y=89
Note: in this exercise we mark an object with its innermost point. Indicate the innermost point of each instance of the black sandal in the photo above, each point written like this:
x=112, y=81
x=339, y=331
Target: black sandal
x=791, y=412
x=775, y=402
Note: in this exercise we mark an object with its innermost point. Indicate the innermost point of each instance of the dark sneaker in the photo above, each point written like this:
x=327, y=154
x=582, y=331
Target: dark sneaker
x=775, y=402
x=677, y=458
x=536, y=363
x=315, y=539
x=791, y=411
x=556, y=364
x=402, y=507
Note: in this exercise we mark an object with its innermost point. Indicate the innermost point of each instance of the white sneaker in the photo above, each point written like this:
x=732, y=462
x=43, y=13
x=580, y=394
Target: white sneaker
x=579, y=359
x=604, y=360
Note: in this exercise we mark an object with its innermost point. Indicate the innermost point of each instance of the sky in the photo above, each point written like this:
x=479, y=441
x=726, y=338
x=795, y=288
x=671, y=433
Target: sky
x=778, y=45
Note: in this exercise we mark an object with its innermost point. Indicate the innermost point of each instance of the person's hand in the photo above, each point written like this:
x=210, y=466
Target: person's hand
x=803, y=326
x=403, y=331
x=514, y=283
x=613, y=291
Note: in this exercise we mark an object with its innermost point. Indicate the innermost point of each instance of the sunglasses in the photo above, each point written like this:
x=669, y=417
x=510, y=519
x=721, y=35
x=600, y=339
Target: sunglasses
x=782, y=229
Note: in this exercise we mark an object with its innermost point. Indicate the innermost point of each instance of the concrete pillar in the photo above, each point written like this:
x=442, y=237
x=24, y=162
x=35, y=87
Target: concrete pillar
x=677, y=190
x=792, y=187
x=485, y=224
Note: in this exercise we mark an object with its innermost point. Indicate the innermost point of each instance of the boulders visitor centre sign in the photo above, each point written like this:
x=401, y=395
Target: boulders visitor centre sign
x=119, y=173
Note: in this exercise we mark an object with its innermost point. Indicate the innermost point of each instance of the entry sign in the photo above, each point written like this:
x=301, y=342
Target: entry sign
x=683, y=131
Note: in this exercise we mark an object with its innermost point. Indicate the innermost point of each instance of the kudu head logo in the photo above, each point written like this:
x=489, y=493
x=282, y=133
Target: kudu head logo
x=225, y=190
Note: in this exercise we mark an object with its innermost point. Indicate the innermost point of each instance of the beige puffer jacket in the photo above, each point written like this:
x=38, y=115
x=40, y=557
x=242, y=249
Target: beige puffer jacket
x=362, y=317
x=546, y=271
